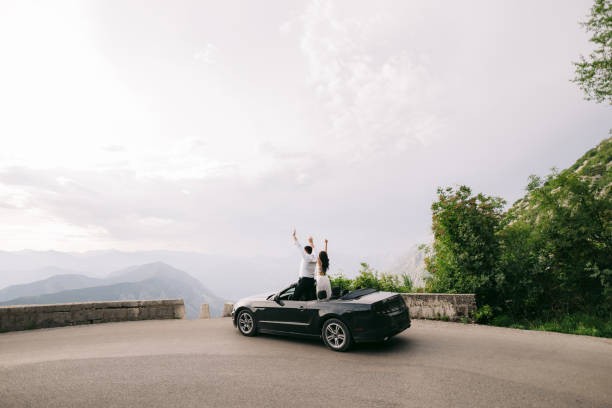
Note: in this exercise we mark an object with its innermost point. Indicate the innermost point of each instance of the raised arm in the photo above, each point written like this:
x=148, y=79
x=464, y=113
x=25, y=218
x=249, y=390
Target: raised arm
x=299, y=247
x=326, y=245
x=297, y=242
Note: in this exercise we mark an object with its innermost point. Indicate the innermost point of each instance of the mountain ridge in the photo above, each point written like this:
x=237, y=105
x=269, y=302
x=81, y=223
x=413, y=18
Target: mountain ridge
x=156, y=280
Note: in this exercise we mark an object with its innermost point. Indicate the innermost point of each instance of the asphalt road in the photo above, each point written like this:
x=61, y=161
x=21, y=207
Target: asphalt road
x=207, y=363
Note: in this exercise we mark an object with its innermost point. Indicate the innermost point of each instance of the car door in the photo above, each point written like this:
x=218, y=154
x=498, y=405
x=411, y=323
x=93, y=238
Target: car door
x=288, y=316
x=298, y=316
x=285, y=316
x=280, y=315
x=308, y=316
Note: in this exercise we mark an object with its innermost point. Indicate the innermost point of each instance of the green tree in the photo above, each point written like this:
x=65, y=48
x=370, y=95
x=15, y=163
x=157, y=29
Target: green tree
x=594, y=73
x=466, y=248
x=557, y=247
x=545, y=263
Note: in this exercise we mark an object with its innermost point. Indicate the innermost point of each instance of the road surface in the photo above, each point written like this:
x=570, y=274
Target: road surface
x=207, y=363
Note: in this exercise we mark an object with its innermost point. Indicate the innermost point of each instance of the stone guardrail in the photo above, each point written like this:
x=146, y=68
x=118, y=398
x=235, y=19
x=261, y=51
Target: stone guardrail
x=24, y=317
x=205, y=310
x=445, y=306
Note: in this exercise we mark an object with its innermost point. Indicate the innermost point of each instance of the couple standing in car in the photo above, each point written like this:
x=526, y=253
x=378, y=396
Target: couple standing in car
x=312, y=268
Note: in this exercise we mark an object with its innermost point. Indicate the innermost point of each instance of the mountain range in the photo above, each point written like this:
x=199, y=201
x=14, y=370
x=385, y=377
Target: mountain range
x=156, y=280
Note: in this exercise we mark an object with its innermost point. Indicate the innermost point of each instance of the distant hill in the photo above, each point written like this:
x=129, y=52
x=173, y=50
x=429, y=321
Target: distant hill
x=53, y=284
x=151, y=281
x=594, y=166
x=10, y=275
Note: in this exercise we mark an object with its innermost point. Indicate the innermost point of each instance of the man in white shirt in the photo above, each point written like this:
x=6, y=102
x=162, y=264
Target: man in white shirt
x=306, y=282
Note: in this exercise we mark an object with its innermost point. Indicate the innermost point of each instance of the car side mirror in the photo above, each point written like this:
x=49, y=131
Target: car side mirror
x=278, y=300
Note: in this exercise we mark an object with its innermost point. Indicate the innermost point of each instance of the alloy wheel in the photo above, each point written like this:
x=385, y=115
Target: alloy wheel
x=335, y=335
x=245, y=322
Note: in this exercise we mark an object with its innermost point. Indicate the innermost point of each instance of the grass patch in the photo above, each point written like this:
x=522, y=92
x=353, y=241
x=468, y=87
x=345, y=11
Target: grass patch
x=582, y=324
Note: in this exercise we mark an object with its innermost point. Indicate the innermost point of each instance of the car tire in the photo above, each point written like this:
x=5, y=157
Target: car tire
x=336, y=335
x=247, y=326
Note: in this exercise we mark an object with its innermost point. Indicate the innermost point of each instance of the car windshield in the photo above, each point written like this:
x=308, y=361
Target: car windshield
x=284, y=294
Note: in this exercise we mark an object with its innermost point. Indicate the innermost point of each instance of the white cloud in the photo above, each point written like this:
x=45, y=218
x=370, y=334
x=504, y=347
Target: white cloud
x=377, y=100
x=343, y=123
x=207, y=55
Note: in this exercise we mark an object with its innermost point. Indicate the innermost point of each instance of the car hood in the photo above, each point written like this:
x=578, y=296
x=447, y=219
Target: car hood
x=261, y=296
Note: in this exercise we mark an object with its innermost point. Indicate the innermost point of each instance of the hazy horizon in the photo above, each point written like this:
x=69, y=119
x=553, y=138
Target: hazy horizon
x=218, y=127
x=228, y=276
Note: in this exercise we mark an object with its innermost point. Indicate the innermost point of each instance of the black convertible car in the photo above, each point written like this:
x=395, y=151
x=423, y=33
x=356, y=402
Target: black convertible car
x=363, y=315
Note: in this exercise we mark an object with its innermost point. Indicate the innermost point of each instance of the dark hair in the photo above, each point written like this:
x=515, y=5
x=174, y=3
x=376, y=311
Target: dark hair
x=324, y=261
x=308, y=249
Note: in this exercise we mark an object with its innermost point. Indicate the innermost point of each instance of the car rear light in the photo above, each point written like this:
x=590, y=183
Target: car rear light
x=393, y=305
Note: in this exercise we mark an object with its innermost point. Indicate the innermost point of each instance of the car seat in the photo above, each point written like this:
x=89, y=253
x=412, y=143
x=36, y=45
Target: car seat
x=336, y=293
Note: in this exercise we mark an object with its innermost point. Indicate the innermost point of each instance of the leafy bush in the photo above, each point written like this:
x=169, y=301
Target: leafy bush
x=484, y=314
x=577, y=323
x=371, y=278
x=502, y=320
x=367, y=278
x=340, y=281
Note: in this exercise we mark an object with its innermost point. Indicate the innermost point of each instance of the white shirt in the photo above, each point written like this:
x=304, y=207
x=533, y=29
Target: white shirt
x=323, y=283
x=307, y=266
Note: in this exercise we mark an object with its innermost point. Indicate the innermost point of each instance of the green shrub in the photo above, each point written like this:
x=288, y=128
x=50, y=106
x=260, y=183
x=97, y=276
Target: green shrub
x=340, y=281
x=484, y=314
x=370, y=278
x=367, y=278
x=502, y=320
x=578, y=323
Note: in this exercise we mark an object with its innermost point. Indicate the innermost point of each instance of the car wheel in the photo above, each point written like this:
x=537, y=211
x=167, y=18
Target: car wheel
x=246, y=323
x=336, y=335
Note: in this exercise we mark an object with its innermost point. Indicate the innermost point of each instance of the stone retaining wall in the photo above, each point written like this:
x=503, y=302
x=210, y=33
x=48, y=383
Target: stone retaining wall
x=440, y=305
x=24, y=317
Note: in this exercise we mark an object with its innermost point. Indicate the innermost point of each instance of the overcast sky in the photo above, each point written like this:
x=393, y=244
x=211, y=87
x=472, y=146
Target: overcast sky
x=218, y=126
